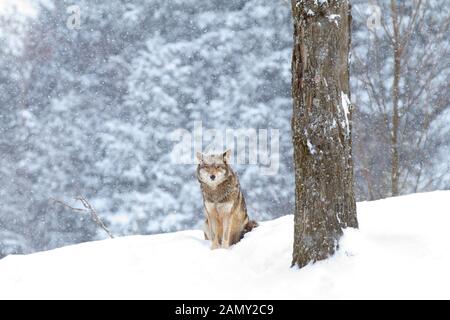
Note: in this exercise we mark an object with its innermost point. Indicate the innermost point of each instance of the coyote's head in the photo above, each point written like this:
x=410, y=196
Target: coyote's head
x=213, y=169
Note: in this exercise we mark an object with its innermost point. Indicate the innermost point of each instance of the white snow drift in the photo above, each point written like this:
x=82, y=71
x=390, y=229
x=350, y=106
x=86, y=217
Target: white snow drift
x=401, y=251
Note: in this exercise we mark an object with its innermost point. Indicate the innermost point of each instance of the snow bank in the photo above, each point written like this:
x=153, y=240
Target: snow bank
x=400, y=251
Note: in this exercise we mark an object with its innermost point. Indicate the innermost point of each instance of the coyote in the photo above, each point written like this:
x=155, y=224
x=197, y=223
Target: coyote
x=226, y=214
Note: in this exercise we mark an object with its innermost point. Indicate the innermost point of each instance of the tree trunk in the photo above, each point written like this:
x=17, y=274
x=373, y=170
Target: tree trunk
x=321, y=126
x=395, y=169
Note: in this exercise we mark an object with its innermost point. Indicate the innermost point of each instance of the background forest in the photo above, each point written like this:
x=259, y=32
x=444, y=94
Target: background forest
x=89, y=110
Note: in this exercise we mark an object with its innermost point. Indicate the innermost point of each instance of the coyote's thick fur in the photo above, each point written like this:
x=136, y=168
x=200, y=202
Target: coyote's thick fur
x=226, y=213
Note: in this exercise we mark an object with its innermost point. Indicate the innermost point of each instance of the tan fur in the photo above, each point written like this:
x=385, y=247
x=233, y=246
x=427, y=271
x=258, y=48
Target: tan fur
x=226, y=213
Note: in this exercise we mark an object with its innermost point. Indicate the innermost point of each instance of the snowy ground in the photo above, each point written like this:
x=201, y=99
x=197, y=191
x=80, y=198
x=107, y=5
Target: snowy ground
x=401, y=251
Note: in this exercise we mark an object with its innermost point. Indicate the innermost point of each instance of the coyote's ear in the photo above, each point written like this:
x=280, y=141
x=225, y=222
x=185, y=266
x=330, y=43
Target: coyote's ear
x=199, y=156
x=227, y=156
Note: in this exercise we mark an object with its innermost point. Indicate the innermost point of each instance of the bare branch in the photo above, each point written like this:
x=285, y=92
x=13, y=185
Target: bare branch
x=410, y=28
x=67, y=205
x=87, y=208
x=94, y=215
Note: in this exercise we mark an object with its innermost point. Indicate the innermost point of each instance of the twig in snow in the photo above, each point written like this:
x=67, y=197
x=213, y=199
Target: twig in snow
x=87, y=208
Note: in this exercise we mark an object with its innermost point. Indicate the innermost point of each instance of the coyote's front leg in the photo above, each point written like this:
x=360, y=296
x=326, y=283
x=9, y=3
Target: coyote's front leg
x=216, y=236
x=227, y=237
x=211, y=225
x=207, y=230
x=214, y=232
x=215, y=244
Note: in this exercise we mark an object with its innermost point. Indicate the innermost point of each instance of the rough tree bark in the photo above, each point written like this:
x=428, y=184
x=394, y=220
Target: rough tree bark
x=395, y=169
x=321, y=126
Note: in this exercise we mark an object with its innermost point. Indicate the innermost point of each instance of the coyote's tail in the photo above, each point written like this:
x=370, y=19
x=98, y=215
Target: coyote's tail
x=251, y=224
